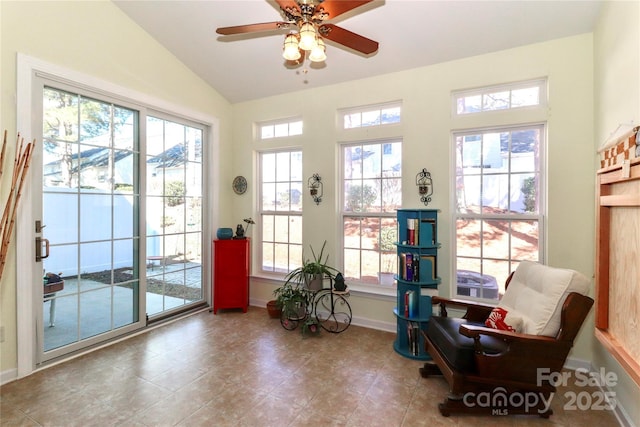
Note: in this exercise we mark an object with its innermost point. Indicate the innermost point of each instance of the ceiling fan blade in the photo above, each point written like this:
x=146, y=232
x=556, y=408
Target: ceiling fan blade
x=338, y=7
x=348, y=39
x=252, y=28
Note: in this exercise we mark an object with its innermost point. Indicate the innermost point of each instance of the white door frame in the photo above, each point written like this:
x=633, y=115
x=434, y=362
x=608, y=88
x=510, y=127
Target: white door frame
x=27, y=302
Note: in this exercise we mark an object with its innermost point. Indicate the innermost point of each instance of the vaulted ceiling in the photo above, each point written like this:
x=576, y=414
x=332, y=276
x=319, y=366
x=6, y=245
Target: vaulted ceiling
x=411, y=33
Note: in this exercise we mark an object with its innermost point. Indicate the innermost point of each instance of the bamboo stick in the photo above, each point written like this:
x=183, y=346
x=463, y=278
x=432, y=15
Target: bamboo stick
x=21, y=163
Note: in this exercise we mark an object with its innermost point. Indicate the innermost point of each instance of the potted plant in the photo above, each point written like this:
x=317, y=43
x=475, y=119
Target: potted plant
x=293, y=298
x=312, y=272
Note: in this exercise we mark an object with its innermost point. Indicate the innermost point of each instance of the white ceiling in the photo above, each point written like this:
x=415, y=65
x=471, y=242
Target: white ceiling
x=411, y=33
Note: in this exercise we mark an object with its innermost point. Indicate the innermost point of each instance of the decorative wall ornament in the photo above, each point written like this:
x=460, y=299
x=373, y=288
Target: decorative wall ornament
x=315, y=188
x=425, y=186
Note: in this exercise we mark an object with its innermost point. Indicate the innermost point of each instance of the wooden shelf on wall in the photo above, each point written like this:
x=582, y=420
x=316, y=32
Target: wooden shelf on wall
x=618, y=263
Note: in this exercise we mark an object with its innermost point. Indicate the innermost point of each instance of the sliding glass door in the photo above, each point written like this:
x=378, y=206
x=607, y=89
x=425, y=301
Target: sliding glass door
x=119, y=218
x=174, y=215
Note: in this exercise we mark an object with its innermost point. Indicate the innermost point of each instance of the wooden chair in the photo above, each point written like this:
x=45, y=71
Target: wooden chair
x=496, y=371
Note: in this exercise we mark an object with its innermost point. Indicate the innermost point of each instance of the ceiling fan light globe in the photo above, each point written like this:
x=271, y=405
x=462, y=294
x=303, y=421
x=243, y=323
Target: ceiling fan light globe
x=318, y=52
x=290, y=51
x=307, y=36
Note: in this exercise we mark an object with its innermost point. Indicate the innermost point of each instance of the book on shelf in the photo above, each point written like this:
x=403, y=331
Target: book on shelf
x=411, y=231
x=428, y=226
x=413, y=335
x=408, y=271
x=429, y=268
x=411, y=304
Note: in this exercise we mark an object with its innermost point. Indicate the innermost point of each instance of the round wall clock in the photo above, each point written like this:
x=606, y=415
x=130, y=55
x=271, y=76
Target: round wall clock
x=239, y=184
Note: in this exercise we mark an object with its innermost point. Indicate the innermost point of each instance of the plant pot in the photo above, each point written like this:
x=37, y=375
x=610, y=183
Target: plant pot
x=315, y=282
x=274, y=311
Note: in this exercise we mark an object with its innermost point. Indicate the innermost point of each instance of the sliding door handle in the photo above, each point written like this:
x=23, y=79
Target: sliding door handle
x=39, y=242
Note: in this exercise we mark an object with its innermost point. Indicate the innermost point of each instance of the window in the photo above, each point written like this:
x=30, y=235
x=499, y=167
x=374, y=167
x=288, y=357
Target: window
x=281, y=210
x=375, y=115
x=504, y=97
x=372, y=191
x=499, y=213
x=280, y=128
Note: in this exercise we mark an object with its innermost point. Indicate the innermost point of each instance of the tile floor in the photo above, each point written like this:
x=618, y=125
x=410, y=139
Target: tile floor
x=235, y=369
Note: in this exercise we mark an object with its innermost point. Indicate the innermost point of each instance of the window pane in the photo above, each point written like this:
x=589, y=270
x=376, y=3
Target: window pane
x=296, y=196
x=370, y=236
x=525, y=97
x=267, y=256
x=495, y=101
x=525, y=240
x=295, y=230
x=268, y=167
x=295, y=128
x=495, y=193
x=353, y=162
x=124, y=129
x=526, y=200
x=352, y=232
x=524, y=150
x=266, y=132
x=495, y=238
x=468, y=243
x=282, y=129
x=371, y=198
x=60, y=115
x=390, y=115
x=371, y=161
x=268, y=197
x=281, y=229
x=371, y=118
x=352, y=264
x=469, y=194
x=295, y=256
x=281, y=257
x=283, y=167
x=469, y=104
x=352, y=120
x=268, y=228
x=282, y=197
x=296, y=166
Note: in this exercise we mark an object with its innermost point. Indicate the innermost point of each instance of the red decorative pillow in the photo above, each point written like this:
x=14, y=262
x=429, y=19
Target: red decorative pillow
x=502, y=320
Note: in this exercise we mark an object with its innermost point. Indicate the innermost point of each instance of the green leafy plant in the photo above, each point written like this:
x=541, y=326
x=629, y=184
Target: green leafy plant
x=297, y=292
x=293, y=298
x=315, y=268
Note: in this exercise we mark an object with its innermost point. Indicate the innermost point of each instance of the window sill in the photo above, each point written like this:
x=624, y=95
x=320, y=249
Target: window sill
x=360, y=289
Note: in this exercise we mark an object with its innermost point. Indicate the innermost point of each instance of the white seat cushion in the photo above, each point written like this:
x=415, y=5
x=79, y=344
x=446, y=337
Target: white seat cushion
x=537, y=292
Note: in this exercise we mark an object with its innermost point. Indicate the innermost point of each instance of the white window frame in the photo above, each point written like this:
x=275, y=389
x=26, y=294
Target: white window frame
x=539, y=217
x=369, y=109
x=287, y=127
x=294, y=248
x=355, y=285
x=541, y=84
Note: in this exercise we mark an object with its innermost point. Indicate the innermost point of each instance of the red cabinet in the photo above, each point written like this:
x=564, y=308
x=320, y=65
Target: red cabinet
x=230, y=274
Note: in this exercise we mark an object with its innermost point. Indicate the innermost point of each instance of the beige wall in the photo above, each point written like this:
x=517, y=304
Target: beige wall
x=94, y=38
x=617, y=100
x=426, y=130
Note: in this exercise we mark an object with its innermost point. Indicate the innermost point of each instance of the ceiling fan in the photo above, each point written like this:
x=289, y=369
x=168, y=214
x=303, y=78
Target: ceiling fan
x=307, y=22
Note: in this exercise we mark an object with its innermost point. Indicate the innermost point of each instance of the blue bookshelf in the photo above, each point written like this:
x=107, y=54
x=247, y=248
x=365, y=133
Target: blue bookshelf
x=417, y=278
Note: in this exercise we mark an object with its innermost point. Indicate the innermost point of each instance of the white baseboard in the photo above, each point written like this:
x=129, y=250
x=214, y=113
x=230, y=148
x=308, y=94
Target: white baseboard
x=8, y=376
